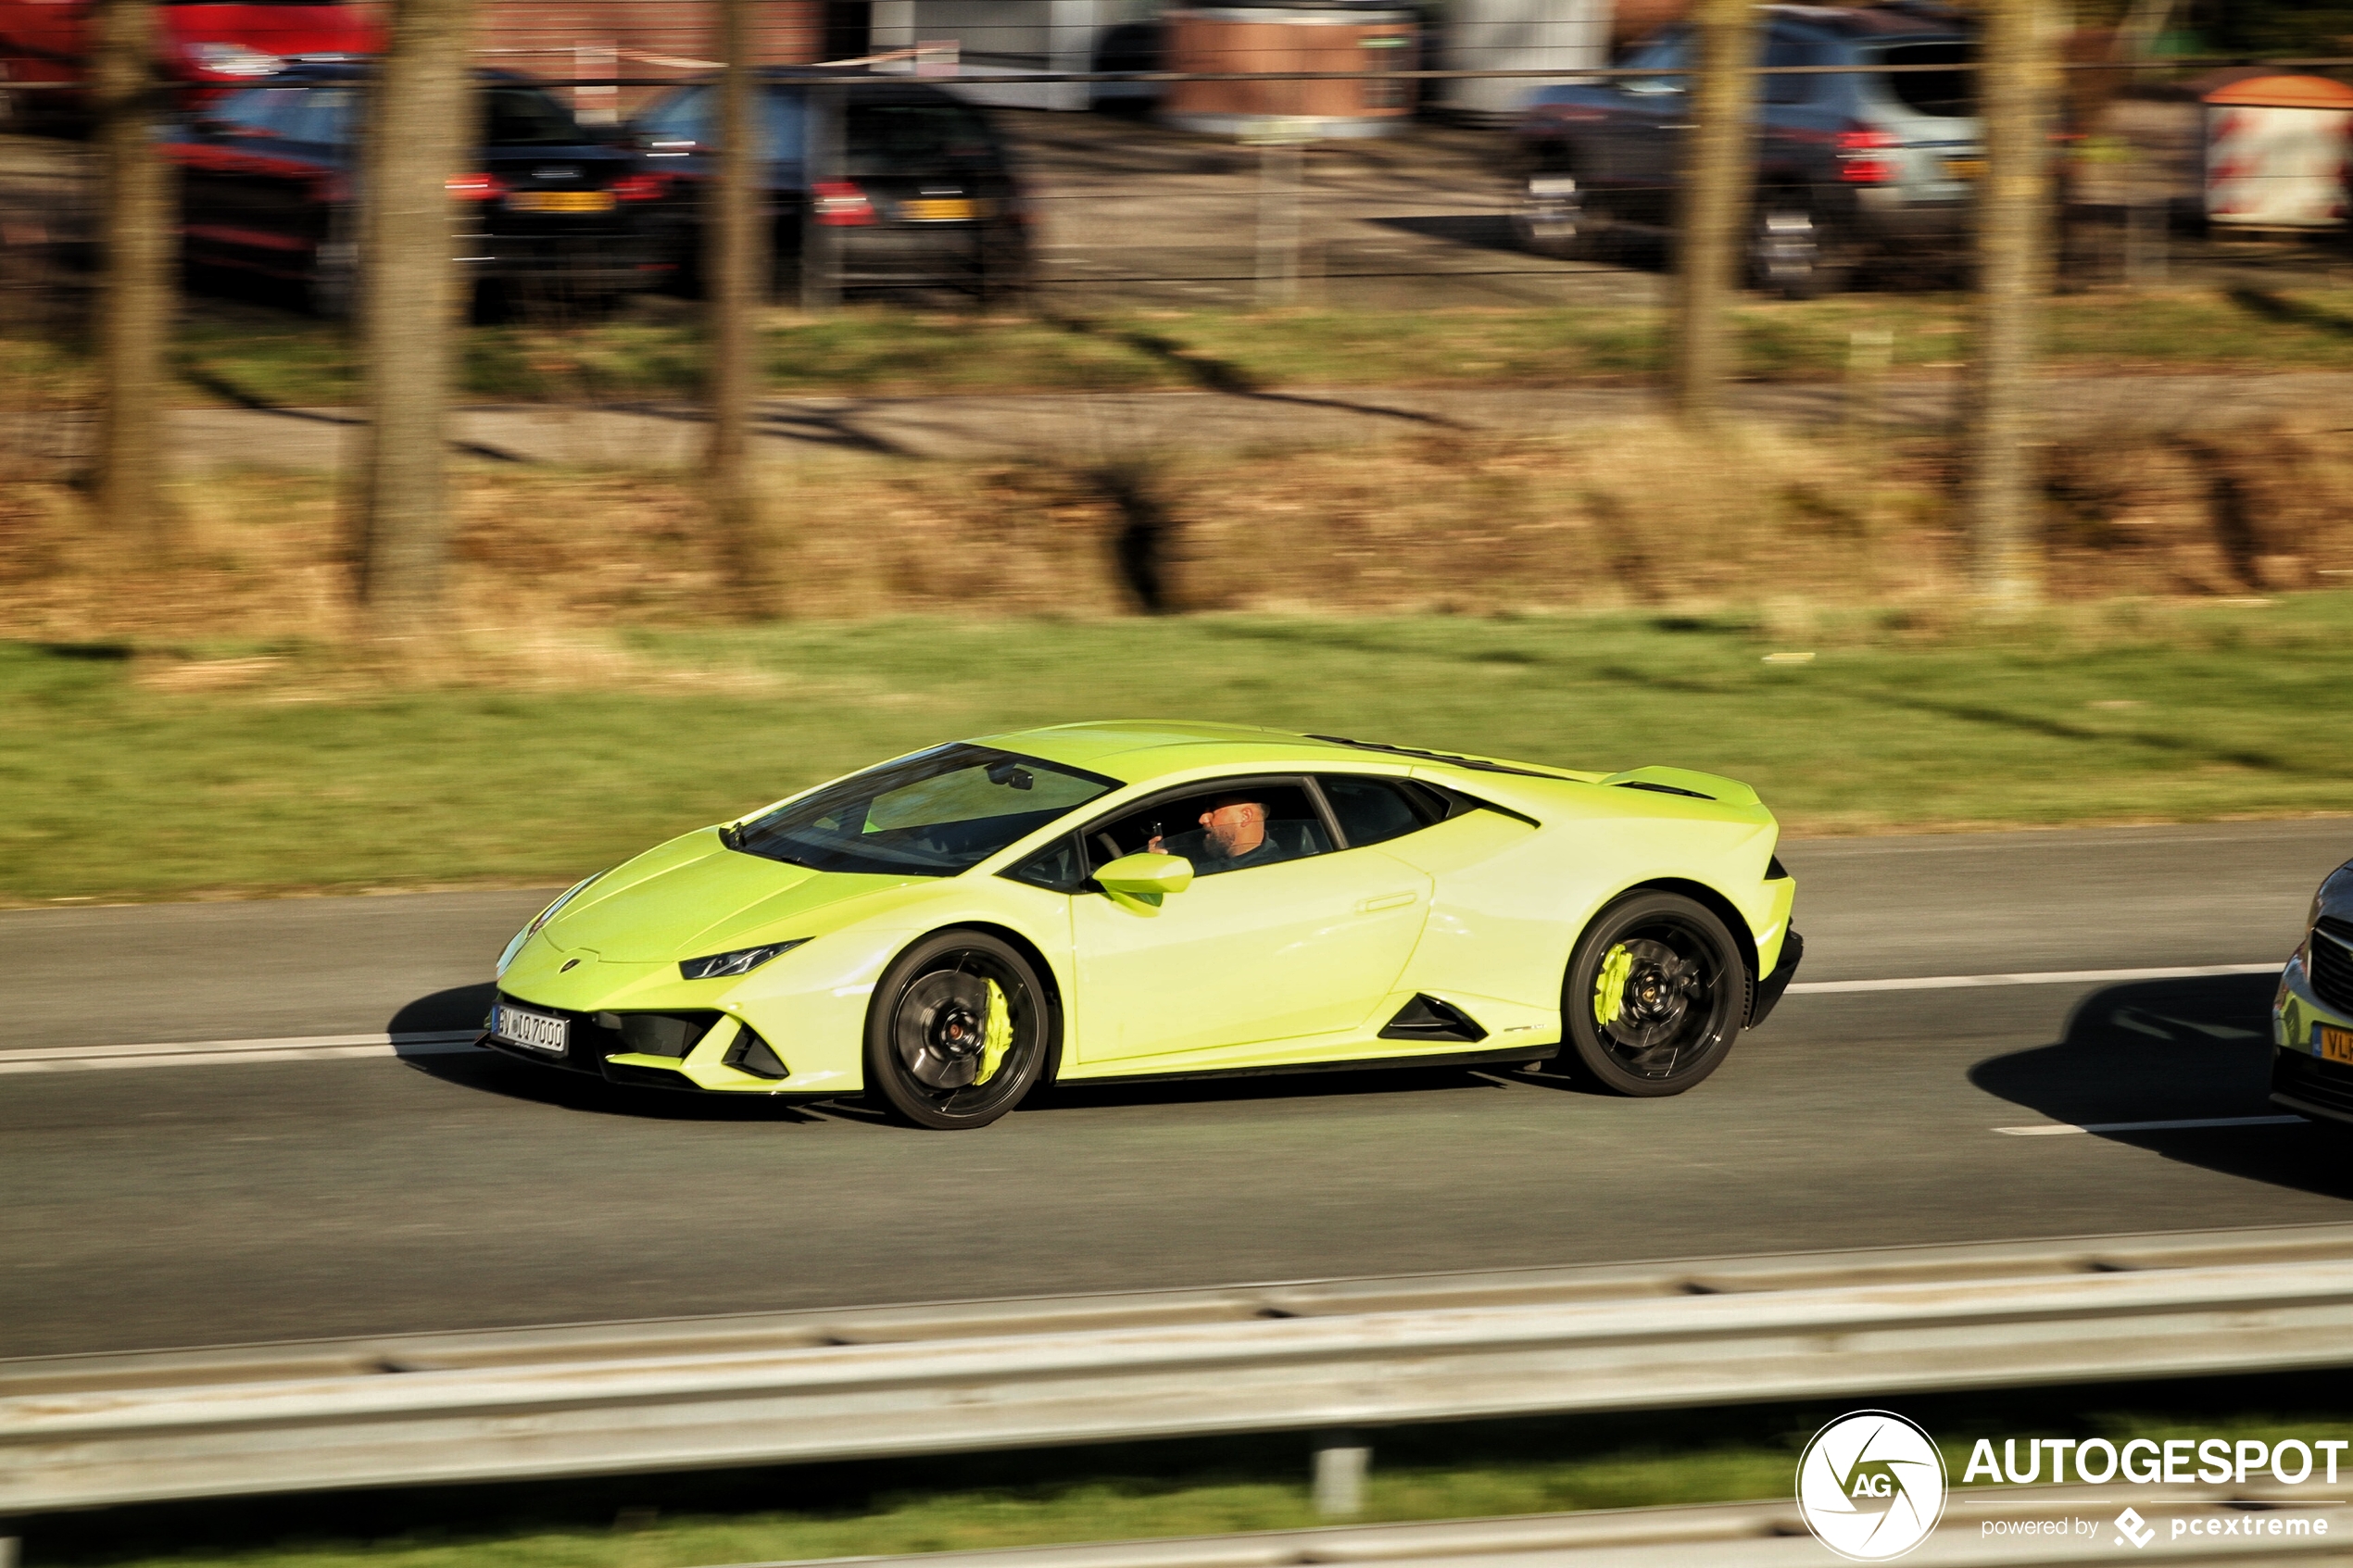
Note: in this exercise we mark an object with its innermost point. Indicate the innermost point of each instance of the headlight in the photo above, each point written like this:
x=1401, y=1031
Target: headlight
x=235, y=59
x=743, y=961
x=542, y=918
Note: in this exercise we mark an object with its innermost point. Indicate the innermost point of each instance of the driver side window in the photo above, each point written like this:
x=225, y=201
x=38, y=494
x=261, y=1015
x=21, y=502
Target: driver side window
x=1250, y=823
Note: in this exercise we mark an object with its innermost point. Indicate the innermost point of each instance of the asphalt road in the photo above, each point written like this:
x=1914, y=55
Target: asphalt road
x=160, y=1206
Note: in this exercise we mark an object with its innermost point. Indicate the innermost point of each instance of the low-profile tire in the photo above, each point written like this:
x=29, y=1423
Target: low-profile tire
x=1656, y=993
x=929, y=1028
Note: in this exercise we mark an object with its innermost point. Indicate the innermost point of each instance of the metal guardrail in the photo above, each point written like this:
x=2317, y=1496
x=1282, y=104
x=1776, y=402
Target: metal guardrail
x=689, y=1393
x=1740, y=1534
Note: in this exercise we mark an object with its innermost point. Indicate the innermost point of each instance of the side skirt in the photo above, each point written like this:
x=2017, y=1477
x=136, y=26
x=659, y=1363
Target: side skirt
x=1354, y=1064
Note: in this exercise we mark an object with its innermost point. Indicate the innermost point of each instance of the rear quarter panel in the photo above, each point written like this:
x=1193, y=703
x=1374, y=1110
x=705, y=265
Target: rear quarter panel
x=1512, y=898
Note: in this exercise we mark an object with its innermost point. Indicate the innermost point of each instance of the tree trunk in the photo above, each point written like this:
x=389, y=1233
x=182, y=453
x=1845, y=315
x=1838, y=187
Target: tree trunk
x=1712, y=201
x=738, y=287
x=2016, y=79
x=422, y=127
x=136, y=304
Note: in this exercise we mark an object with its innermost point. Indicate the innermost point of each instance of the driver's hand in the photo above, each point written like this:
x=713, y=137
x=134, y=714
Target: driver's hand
x=1152, y=846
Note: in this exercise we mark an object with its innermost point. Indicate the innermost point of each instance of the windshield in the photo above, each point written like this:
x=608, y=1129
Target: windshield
x=1950, y=95
x=933, y=814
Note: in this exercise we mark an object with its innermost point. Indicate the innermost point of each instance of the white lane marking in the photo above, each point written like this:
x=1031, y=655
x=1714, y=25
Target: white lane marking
x=214, y=1053
x=2036, y=977
x=2054, y=1129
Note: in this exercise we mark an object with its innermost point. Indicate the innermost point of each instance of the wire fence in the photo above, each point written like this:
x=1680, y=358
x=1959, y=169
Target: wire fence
x=1128, y=208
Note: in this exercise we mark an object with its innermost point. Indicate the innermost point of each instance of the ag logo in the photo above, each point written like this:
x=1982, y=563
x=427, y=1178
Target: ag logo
x=1871, y=1486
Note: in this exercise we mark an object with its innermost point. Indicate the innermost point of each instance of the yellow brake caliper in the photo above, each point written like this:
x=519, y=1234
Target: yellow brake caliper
x=996, y=1035
x=1609, y=987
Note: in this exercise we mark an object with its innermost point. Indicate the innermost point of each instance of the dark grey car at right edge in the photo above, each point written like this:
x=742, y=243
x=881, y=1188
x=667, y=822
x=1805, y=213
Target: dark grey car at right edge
x=1853, y=167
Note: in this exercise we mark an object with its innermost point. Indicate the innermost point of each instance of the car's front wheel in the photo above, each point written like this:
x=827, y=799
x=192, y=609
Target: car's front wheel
x=957, y=1032
x=1655, y=995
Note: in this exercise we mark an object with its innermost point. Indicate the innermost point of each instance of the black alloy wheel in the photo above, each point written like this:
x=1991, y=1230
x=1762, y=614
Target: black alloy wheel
x=957, y=1032
x=1656, y=993
x=1791, y=252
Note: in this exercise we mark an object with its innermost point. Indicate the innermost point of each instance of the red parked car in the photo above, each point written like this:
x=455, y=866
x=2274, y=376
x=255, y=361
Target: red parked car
x=211, y=45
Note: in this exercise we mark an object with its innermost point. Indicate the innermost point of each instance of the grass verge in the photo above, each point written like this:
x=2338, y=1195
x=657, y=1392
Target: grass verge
x=1030, y=1498
x=655, y=350
x=139, y=773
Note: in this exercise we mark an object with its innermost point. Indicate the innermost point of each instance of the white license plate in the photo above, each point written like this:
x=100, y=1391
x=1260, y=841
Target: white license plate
x=533, y=1031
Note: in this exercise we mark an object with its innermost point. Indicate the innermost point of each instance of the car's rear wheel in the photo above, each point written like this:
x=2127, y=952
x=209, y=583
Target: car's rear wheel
x=957, y=1032
x=1655, y=995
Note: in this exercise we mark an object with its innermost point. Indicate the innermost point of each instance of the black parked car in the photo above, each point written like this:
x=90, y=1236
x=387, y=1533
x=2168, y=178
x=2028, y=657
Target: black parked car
x=267, y=177
x=912, y=184
x=1849, y=164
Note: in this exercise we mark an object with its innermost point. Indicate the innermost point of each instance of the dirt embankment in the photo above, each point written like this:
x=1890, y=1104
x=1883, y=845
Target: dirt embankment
x=1647, y=515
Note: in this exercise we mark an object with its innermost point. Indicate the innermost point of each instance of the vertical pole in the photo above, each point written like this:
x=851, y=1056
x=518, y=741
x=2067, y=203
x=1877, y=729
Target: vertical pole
x=423, y=121
x=820, y=245
x=1279, y=219
x=2015, y=82
x=737, y=292
x=1713, y=202
x=1341, y=1459
x=135, y=302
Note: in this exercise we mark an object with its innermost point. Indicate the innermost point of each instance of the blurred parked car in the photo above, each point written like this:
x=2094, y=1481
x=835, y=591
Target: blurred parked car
x=546, y=209
x=922, y=193
x=211, y=44
x=1849, y=166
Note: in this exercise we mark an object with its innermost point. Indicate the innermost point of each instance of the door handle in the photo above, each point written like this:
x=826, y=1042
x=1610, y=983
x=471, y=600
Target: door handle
x=1386, y=901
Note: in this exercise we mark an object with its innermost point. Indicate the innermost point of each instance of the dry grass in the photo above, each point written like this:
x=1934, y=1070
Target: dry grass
x=547, y=566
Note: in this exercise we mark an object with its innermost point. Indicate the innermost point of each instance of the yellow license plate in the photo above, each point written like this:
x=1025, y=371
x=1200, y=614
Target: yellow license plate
x=2336, y=1044
x=560, y=201
x=1964, y=169
x=940, y=210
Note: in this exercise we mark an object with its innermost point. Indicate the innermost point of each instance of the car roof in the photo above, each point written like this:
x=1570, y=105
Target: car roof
x=1138, y=750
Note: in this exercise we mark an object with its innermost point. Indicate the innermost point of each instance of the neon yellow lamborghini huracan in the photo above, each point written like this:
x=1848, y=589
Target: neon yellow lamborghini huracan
x=944, y=931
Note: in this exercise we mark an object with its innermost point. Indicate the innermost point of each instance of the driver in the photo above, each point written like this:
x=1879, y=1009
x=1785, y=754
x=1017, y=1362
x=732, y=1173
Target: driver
x=1232, y=835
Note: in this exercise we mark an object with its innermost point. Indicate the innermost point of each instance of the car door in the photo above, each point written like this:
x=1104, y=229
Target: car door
x=1262, y=962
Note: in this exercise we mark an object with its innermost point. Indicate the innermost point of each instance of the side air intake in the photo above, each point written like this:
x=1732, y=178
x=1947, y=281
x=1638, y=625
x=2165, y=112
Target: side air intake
x=1427, y=1018
x=753, y=1055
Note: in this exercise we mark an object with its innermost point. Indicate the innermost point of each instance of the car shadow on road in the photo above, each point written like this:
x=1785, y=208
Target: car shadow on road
x=2174, y=1050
